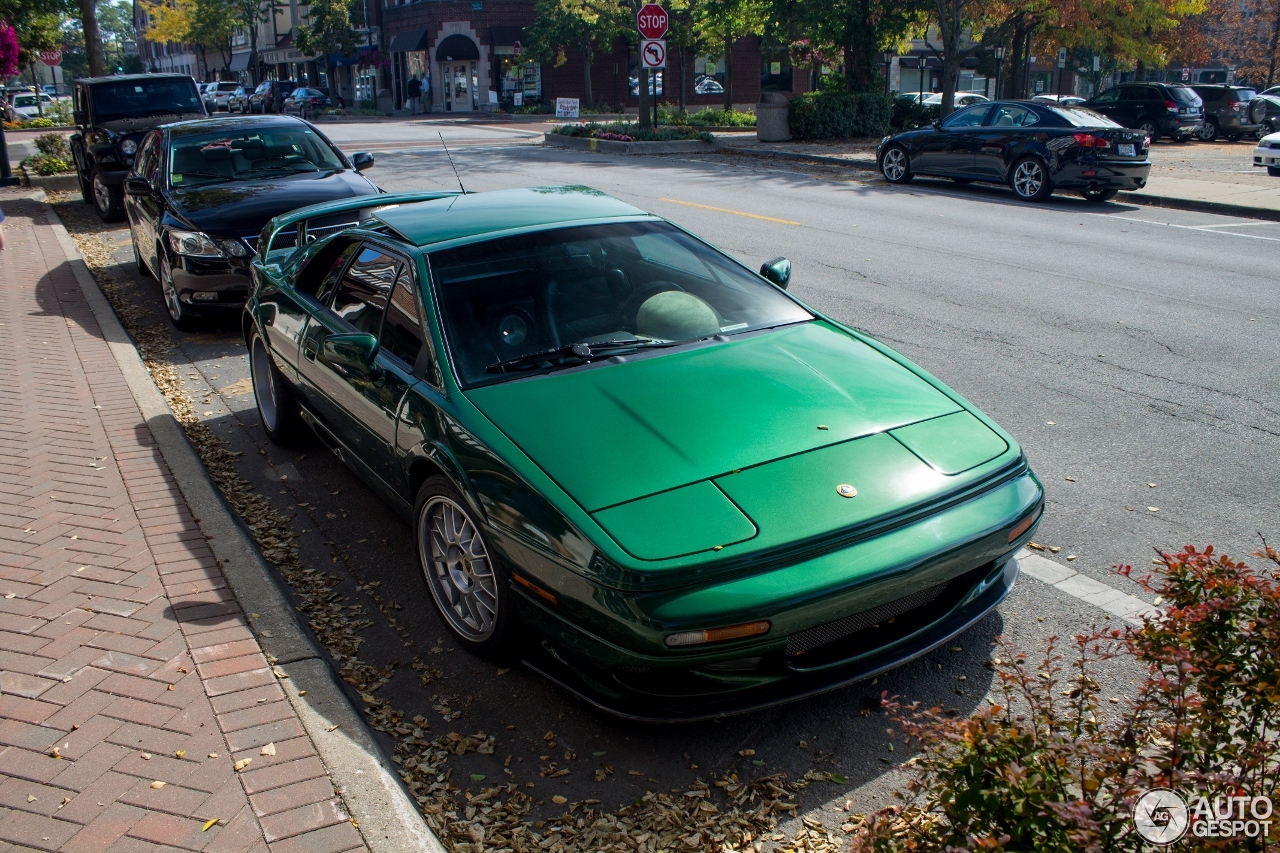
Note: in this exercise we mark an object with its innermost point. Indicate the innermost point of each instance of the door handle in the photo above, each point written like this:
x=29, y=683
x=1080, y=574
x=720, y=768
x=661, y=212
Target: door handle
x=310, y=346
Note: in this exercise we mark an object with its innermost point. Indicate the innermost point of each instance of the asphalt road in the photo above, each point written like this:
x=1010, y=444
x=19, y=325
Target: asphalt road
x=1122, y=346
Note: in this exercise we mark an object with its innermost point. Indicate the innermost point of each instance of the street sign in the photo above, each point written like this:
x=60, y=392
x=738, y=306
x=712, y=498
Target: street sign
x=1186, y=73
x=653, y=53
x=1062, y=57
x=517, y=48
x=1097, y=63
x=566, y=107
x=651, y=21
x=517, y=99
x=51, y=57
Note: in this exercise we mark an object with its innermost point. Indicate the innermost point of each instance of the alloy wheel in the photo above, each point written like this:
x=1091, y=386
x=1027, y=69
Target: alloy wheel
x=1207, y=132
x=1028, y=178
x=171, y=301
x=264, y=386
x=895, y=164
x=458, y=568
x=101, y=193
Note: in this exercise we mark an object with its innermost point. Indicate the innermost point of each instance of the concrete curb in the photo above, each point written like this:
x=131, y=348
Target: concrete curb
x=52, y=183
x=608, y=146
x=387, y=817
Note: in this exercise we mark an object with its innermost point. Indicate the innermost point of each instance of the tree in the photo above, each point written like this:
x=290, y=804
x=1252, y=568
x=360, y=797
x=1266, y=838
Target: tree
x=249, y=14
x=726, y=21
x=687, y=38
x=580, y=25
x=212, y=27
x=857, y=30
x=115, y=20
x=8, y=51
x=328, y=29
x=92, y=37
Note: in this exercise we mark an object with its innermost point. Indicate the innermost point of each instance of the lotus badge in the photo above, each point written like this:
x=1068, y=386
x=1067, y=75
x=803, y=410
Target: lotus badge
x=844, y=490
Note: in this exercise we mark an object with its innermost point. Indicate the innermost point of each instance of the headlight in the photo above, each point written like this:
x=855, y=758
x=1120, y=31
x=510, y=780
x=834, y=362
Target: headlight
x=234, y=248
x=128, y=147
x=194, y=244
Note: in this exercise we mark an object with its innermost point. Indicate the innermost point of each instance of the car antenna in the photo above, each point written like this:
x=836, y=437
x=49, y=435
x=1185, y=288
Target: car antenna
x=450, y=156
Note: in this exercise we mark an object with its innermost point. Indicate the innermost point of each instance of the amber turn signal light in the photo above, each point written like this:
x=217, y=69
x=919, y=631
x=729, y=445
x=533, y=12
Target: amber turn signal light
x=716, y=635
x=1025, y=524
x=534, y=588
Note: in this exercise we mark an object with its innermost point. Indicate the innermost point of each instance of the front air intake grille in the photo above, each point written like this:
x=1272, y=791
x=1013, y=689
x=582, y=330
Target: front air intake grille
x=806, y=641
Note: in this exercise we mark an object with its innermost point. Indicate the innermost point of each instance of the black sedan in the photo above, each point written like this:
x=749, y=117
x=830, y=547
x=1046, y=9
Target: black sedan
x=201, y=191
x=1034, y=147
x=306, y=102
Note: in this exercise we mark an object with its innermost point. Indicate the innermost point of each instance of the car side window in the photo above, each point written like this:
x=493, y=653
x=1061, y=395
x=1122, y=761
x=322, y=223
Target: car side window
x=362, y=293
x=1111, y=96
x=968, y=117
x=1012, y=115
x=320, y=276
x=402, y=334
x=148, y=158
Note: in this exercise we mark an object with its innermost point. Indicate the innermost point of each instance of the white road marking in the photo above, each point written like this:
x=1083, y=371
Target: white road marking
x=1203, y=229
x=1073, y=583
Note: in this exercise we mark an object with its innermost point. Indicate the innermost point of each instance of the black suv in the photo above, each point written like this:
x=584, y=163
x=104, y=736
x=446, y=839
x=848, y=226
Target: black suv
x=1157, y=109
x=112, y=114
x=1226, y=112
x=269, y=96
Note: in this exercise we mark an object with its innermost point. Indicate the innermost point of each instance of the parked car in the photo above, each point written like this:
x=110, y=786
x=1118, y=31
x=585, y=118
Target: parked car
x=217, y=95
x=25, y=106
x=1226, y=112
x=112, y=114
x=934, y=99
x=269, y=96
x=1157, y=109
x=200, y=191
x=1061, y=100
x=706, y=85
x=647, y=469
x=1268, y=154
x=1034, y=147
x=239, y=101
x=655, y=83
x=1264, y=109
x=305, y=102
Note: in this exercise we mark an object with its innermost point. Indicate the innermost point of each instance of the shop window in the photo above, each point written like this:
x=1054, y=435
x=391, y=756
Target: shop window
x=518, y=75
x=775, y=71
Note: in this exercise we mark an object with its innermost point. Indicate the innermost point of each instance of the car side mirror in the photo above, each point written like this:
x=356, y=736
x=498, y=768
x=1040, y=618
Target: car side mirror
x=936, y=124
x=362, y=160
x=777, y=271
x=354, y=352
x=137, y=186
x=80, y=116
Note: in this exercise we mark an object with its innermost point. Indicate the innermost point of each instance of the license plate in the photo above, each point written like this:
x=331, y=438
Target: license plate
x=1125, y=149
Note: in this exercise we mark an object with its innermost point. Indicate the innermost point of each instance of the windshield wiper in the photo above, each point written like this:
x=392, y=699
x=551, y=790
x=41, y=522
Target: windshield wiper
x=208, y=175
x=582, y=352
x=289, y=168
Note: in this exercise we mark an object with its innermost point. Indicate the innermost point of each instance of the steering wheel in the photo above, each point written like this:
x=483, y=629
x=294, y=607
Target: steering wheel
x=626, y=313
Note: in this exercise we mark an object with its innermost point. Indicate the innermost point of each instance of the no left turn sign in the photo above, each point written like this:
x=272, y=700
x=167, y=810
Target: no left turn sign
x=653, y=53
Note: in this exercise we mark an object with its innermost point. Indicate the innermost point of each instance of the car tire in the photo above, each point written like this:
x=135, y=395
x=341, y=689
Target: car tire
x=1208, y=131
x=86, y=188
x=108, y=201
x=895, y=165
x=1098, y=195
x=1233, y=137
x=143, y=269
x=1273, y=171
x=278, y=408
x=463, y=574
x=1030, y=180
x=1181, y=140
x=1151, y=130
x=178, y=313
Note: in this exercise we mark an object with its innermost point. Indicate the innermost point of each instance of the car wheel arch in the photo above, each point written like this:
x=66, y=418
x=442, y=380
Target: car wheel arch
x=431, y=459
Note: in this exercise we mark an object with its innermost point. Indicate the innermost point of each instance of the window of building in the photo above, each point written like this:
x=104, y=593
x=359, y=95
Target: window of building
x=515, y=74
x=775, y=70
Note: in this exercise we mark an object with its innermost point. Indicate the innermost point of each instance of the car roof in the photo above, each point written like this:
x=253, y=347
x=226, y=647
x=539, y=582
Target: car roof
x=117, y=78
x=483, y=214
x=201, y=125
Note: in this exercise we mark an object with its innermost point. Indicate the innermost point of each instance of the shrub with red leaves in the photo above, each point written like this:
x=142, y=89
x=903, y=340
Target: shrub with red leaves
x=1055, y=766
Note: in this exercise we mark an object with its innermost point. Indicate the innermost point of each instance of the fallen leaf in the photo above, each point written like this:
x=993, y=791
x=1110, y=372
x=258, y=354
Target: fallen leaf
x=269, y=749
x=146, y=756
x=31, y=798
x=839, y=780
x=478, y=777
x=1153, y=509
x=209, y=824
x=157, y=784
x=746, y=752
x=180, y=753
x=559, y=800
x=213, y=755
x=242, y=764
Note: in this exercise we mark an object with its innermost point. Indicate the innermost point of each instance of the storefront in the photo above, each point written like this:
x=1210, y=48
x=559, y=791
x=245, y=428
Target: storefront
x=518, y=78
x=458, y=70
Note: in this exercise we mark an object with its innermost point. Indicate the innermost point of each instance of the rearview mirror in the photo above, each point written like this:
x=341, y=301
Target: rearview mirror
x=777, y=271
x=361, y=160
x=137, y=186
x=354, y=352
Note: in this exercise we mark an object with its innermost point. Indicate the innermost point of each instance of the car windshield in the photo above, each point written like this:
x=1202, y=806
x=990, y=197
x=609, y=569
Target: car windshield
x=24, y=101
x=142, y=97
x=1080, y=117
x=252, y=154
x=1245, y=94
x=638, y=284
x=228, y=87
x=1184, y=94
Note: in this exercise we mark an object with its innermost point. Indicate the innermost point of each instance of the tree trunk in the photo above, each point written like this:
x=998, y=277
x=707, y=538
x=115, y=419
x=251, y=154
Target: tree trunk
x=646, y=120
x=728, y=72
x=587, y=98
x=684, y=83
x=92, y=37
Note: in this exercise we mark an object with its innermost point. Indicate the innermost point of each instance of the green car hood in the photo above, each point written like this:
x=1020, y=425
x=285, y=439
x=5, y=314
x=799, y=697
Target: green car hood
x=616, y=433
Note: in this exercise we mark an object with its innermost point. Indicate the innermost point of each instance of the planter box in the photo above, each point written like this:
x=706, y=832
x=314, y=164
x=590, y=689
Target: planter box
x=608, y=146
x=66, y=183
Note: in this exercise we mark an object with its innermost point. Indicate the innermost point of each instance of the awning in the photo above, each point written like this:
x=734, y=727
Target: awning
x=240, y=61
x=337, y=60
x=506, y=36
x=914, y=62
x=409, y=40
x=456, y=47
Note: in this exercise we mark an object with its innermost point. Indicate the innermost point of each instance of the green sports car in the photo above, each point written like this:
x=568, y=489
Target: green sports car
x=645, y=469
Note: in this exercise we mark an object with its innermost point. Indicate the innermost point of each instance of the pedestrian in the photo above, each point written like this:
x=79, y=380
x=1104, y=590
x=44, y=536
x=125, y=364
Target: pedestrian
x=415, y=92
x=1, y=230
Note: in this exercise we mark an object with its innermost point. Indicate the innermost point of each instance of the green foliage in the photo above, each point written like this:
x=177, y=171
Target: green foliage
x=908, y=114
x=631, y=132
x=53, y=145
x=834, y=82
x=328, y=28
x=835, y=115
x=45, y=164
x=722, y=118
x=37, y=122
x=1052, y=766
x=539, y=107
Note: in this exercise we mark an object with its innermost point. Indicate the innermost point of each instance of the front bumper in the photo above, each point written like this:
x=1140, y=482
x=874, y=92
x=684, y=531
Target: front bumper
x=1266, y=156
x=211, y=287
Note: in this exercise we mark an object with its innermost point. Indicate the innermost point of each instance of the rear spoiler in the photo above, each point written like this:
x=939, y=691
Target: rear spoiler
x=294, y=224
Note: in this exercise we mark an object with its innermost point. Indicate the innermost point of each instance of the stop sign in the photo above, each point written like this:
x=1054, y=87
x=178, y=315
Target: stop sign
x=651, y=21
x=51, y=57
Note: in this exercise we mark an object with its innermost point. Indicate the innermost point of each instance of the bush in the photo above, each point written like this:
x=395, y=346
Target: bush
x=722, y=118
x=535, y=108
x=53, y=144
x=38, y=122
x=836, y=115
x=45, y=164
x=908, y=114
x=1054, y=768
x=619, y=131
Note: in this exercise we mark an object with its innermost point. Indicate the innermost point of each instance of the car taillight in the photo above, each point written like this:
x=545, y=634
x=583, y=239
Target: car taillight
x=1088, y=140
x=1235, y=105
x=1171, y=105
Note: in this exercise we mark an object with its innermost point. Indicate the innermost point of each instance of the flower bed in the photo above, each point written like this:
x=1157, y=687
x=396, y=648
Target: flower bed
x=618, y=131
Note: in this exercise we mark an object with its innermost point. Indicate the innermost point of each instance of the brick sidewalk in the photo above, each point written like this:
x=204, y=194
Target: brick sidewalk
x=125, y=661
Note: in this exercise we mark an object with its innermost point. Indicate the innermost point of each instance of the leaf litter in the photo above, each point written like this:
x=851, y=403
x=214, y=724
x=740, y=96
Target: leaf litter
x=727, y=814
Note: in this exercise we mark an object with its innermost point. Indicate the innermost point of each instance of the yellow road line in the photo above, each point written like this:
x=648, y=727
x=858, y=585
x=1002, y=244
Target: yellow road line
x=727, y=210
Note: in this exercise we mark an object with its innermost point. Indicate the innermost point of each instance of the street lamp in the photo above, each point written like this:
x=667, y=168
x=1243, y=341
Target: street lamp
x=999, y=52
x=888, y=56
